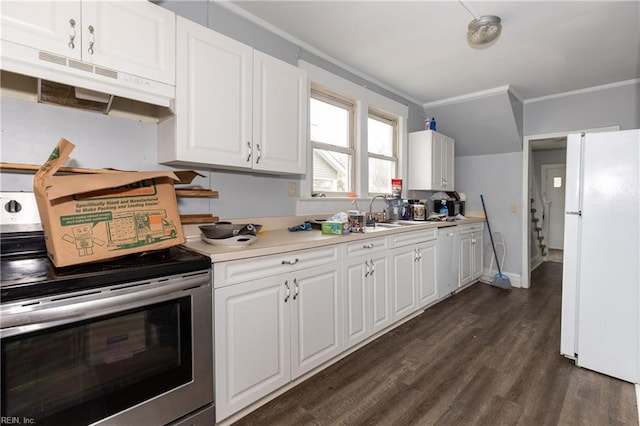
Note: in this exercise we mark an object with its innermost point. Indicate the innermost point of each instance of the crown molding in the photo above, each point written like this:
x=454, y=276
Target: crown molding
x=583, y=91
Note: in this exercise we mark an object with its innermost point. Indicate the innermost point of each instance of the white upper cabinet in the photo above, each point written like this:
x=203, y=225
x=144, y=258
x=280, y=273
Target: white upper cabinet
x=431, y=161
x=236, y=108
x=52, y=26
x=213, y=100
x=279, y=115
x=133, y=37
x=136, y=37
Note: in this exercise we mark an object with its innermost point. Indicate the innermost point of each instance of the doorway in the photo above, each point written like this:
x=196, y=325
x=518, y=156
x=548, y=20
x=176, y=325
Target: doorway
x=553, y=184
x=530, y=147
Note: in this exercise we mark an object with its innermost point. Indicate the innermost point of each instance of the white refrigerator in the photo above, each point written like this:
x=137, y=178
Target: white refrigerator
x=601, y=279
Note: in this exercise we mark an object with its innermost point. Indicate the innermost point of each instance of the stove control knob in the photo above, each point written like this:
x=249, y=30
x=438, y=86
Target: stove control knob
x=13, y=206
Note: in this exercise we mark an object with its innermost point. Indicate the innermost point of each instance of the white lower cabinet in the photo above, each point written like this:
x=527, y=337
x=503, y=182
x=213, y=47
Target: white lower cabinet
x=413, y=271
x=471, y=253
x=272, y=330
x=403, y=277
x=426, y=273
x=366, y=294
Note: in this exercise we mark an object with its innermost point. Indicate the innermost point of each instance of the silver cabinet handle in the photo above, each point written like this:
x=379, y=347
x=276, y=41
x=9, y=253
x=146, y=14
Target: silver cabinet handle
x=92, y=40
x=72, y=34
x=415, y=251
x=286, y=284
x=295, y=295
x=373, y=268
x=368, y=246
x=366, y=263
x=249, y=156
x=259, y=153
x=290, y=262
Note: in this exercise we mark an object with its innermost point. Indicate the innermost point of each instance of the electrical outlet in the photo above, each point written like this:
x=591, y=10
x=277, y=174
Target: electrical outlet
x=293, y=189
x=514, y=208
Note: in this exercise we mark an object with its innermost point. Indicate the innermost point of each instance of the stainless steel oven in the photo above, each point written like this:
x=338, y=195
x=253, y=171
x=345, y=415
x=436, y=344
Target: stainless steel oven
x=125, y=342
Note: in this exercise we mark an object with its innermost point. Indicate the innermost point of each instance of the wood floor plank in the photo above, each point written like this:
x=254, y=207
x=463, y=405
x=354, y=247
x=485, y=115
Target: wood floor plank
x=482, y=357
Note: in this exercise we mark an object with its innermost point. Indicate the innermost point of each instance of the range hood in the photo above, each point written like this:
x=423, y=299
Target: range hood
x=35, y=75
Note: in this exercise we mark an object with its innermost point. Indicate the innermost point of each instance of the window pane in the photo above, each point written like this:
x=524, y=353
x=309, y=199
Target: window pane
x=329, y=123
x=331, y=171
x=380, y=137
x=380, y=174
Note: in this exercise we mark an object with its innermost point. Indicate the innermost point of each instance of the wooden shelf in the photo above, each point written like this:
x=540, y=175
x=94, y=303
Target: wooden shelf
x=188, y=192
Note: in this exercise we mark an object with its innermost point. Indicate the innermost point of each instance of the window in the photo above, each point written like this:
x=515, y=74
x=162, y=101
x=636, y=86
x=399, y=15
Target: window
x=383, y=148
x=331, y=119
x=356, y=141
x=557, y=181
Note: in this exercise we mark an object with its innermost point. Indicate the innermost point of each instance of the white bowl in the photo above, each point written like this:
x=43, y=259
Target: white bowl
x=237, y=241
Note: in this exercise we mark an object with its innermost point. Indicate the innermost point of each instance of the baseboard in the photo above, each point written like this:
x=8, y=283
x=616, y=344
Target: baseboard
x=515, y=279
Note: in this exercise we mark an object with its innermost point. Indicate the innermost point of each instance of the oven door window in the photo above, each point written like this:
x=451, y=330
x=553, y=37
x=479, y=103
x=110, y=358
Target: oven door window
x=85, y=371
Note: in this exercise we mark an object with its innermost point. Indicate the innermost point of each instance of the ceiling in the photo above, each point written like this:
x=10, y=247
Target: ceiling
x=419, y=50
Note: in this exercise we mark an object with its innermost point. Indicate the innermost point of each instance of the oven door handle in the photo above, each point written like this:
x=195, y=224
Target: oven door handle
x=92, y=304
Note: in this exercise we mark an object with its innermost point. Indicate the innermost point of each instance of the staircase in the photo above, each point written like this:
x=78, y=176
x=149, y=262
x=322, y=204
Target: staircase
x=538, y=229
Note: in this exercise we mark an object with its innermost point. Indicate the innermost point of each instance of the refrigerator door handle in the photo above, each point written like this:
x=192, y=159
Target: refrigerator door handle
x=578, y=213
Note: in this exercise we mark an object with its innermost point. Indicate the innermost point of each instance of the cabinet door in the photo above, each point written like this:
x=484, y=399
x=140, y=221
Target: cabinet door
x=466, y=270
x=356, y=279
x=213, y=100
x=420, y=168
x=316, y=317
x=51, y=26
x=279, y=115
x=252, y=342
x=135, y=37
x=478, y=258
x=437, y=158
x=448, y=161
x=379, y=290
x=426, y=273
x=403, y=294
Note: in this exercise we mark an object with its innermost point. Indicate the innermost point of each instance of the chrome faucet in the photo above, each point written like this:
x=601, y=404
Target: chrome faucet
x=370, y=218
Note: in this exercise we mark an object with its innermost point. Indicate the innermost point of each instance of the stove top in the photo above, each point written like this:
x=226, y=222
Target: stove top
x=26, y=272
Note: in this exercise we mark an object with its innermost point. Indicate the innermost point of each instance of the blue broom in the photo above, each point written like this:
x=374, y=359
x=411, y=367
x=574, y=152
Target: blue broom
x=499, y=280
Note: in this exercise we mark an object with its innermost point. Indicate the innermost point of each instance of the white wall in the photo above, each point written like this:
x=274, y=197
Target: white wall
x=616, y=104
x=30, y=132
x=498, y=178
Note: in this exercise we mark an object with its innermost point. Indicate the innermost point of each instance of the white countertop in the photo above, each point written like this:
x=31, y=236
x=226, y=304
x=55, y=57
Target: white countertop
x=281, y=240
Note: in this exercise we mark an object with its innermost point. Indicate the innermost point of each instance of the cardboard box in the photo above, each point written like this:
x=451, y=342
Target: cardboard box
x=337, y=228
x=93, y=217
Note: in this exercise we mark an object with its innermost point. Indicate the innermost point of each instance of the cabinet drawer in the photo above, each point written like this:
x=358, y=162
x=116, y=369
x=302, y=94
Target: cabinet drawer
x=406, y=238
x=236, y=271
x=365, y=246
x=464, y=229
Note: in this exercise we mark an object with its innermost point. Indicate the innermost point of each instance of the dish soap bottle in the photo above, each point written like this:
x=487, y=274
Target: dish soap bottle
x=443, y=208
x=432, y=124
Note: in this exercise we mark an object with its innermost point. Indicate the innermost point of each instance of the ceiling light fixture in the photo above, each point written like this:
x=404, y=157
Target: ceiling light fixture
x=482, y=30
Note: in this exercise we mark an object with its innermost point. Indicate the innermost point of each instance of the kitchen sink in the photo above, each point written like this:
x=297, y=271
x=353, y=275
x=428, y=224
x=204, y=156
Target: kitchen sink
x=381, y=226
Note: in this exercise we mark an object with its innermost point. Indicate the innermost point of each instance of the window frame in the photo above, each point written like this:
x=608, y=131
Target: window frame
x=376, y=114
x=364, y=99
x=322, y=94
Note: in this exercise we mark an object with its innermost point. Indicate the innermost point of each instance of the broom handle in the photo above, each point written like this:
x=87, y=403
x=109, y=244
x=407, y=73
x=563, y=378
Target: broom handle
x=486, y=217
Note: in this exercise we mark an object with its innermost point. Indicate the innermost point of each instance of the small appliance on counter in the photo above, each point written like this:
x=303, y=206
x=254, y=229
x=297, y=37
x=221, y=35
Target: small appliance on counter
x=452, y=206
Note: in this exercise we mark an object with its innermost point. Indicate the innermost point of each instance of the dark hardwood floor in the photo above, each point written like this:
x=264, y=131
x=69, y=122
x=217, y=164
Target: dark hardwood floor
x=483, y=357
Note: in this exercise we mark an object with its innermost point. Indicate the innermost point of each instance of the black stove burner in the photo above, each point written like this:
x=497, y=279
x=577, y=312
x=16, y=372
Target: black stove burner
x=26, y=272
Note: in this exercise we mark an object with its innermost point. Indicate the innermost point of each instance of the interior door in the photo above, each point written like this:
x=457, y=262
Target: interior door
x=554, y=192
